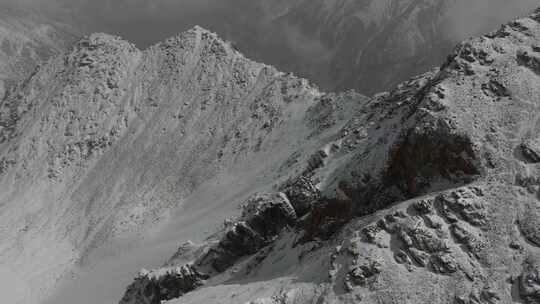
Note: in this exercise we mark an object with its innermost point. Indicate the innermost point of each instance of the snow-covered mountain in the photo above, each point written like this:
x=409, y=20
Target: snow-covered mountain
x=234, y=182
x=101, y=142
x=427, y=195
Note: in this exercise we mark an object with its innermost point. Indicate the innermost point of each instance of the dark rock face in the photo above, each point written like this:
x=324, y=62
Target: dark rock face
x=264, y=216
x=302, y=194
x=239, y=241
x=422, y=157
x=268, y=214
x=163, y=285
x=532, y=61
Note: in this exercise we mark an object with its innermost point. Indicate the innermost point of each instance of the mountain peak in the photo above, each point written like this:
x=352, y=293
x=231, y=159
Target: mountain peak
x=198, y=38
x=435, y=179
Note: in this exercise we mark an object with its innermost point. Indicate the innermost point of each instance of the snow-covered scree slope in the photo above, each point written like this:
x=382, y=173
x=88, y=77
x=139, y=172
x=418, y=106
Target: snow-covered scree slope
x=108, y=152
x=429, y=194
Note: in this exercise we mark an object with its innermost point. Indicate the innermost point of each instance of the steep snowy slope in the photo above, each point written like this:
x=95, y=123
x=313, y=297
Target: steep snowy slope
x=27, y=40
x=101, y=142
x=429, y=194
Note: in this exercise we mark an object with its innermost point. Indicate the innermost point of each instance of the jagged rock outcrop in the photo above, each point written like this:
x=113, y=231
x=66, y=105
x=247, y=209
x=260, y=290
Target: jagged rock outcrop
x=264, y=216
x=153, y=287
x=530, y=149
x=302, y=193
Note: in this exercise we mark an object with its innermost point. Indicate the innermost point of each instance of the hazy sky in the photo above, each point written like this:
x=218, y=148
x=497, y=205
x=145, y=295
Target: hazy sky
x=471, y=17
x=148, y=21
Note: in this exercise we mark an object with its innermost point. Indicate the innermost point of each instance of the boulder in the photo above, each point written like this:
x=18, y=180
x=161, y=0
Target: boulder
x=268, y=214
x=303, y=194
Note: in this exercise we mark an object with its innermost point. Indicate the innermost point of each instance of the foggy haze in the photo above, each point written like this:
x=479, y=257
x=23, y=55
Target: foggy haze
x=146, y=22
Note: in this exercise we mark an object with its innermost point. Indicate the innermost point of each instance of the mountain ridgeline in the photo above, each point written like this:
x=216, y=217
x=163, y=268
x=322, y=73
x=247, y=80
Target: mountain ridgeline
x=101, y=141
x=278, y=193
